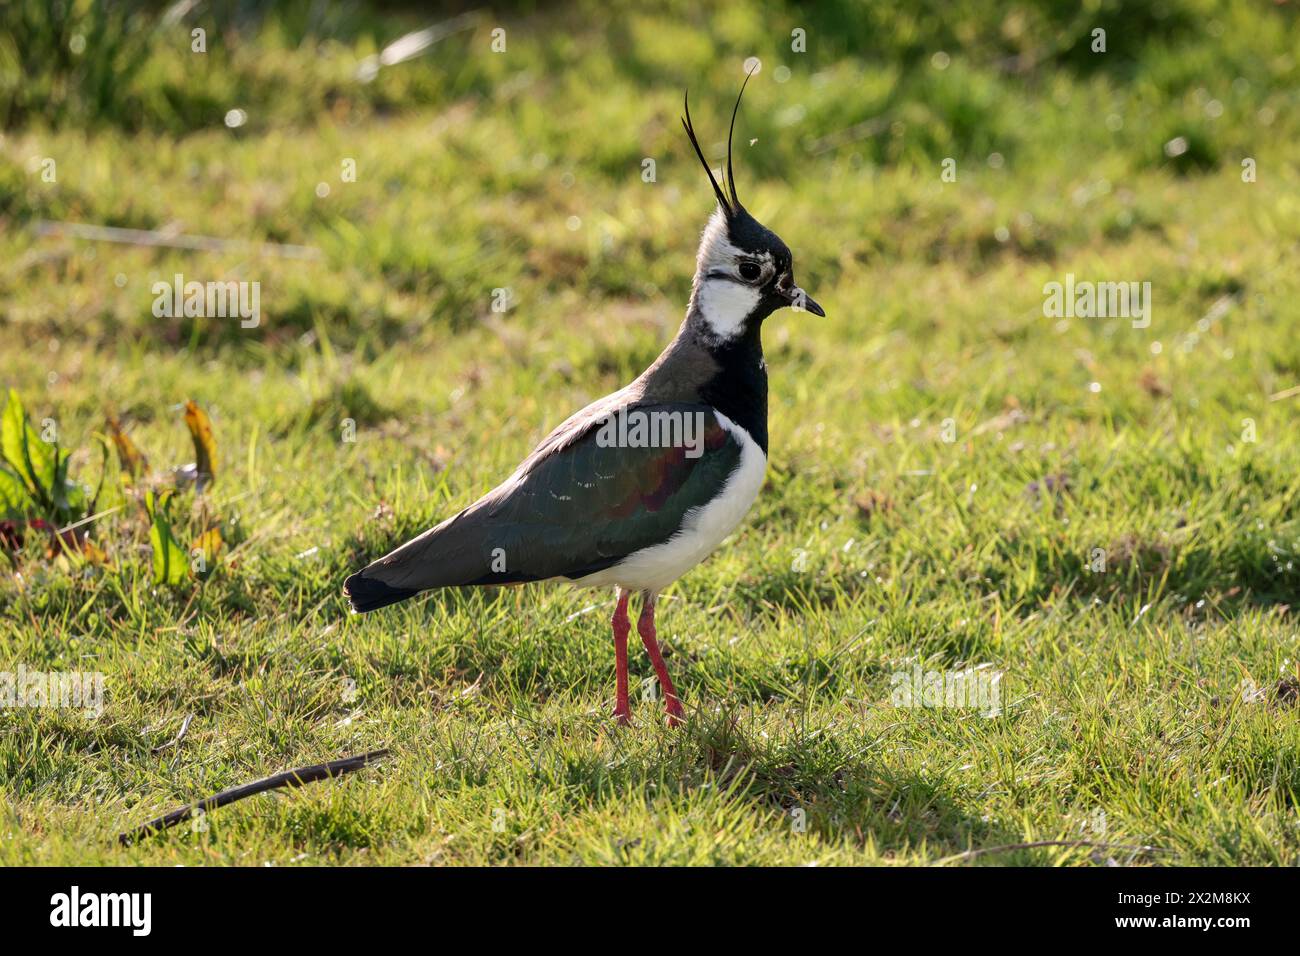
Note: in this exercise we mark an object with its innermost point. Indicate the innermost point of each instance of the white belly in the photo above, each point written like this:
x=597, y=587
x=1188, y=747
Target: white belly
x=703, y=528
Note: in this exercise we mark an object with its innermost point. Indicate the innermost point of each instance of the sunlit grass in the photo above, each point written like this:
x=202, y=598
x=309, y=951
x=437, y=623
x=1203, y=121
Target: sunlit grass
x=1150, y=703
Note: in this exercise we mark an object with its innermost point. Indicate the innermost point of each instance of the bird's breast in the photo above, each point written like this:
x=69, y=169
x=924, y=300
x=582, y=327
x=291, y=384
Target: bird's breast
x=702, y=530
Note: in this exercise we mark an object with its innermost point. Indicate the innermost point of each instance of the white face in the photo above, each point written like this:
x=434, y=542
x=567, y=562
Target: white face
x=729, y=280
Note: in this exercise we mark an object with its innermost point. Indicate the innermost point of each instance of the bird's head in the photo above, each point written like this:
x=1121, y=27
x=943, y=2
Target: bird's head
x=743, y=271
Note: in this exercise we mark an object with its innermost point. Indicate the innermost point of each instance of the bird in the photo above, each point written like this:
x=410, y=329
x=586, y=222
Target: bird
x=637, y=488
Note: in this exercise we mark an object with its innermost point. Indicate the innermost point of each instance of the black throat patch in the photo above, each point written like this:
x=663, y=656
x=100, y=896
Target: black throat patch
x=739, y=387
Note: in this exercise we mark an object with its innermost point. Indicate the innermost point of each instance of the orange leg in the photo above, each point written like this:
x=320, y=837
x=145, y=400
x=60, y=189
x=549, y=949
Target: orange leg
x=622, y=627
x=645, y=626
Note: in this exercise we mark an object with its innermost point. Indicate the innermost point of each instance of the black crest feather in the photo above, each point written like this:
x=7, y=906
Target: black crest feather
x=690, y=131
x=732, y=205
x=731, y=176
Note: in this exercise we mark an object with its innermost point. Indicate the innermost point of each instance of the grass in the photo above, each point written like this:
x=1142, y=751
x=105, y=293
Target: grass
x=1152, y=703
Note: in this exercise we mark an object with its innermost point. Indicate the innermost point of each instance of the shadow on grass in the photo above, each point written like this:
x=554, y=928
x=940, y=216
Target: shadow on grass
x=822, y=784
x=1251, y=572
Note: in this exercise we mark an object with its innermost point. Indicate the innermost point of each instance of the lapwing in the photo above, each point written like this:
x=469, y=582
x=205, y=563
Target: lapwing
x=642, y=485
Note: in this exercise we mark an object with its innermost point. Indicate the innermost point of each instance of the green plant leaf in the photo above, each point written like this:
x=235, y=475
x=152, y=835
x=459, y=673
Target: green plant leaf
x=69, y=496
x=34, y=461
x=14, y=498
x=169, y=561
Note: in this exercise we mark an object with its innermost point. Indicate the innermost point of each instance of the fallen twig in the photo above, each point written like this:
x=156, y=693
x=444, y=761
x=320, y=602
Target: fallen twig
x=1007, y=847
x=289, y=778
x=172, y=240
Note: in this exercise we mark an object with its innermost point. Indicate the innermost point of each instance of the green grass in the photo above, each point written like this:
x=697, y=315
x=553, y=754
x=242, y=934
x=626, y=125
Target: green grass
x=1152, y=696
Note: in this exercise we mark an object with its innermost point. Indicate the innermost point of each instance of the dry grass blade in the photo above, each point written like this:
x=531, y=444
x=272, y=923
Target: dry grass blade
x=1035, y=844
x=180, y=735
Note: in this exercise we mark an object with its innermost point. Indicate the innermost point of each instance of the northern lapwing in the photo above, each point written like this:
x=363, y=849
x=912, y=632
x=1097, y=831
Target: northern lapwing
x=639, y=487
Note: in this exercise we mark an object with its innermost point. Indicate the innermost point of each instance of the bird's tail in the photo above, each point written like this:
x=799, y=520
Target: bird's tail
x=455, y=553
x=370, y=594
x=444, y=555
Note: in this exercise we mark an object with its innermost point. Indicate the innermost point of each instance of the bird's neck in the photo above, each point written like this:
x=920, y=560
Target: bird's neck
x=737, y=383
x=699, y=365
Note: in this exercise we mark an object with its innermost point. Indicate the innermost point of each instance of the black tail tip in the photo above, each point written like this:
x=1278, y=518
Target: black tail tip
x=370, y=594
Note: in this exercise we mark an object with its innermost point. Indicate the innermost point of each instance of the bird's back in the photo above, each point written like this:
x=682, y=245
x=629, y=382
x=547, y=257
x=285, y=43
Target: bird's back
x=576, y=506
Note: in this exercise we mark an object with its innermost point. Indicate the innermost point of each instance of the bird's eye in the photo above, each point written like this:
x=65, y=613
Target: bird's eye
x=749, y=271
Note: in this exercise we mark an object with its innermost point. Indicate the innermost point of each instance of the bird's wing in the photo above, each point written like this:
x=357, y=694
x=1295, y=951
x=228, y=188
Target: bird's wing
x=577, y=505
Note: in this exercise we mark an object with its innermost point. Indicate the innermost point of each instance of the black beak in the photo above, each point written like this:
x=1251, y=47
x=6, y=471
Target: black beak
x=801, y=301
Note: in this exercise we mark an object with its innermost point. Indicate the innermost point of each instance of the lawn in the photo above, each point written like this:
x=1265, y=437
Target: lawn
x=1102, y=515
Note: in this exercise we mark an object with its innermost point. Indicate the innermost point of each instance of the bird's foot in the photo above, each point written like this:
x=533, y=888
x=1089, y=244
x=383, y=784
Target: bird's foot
x=673, y=707
x=622, y=717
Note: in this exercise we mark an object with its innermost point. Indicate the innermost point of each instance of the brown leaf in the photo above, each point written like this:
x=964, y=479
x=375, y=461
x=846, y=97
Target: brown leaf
x=871, y=502
x=95, y=553
x=210, y=543
x=130, y=458
x=205, y=447
x=1152, y=385
x=88, y=549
